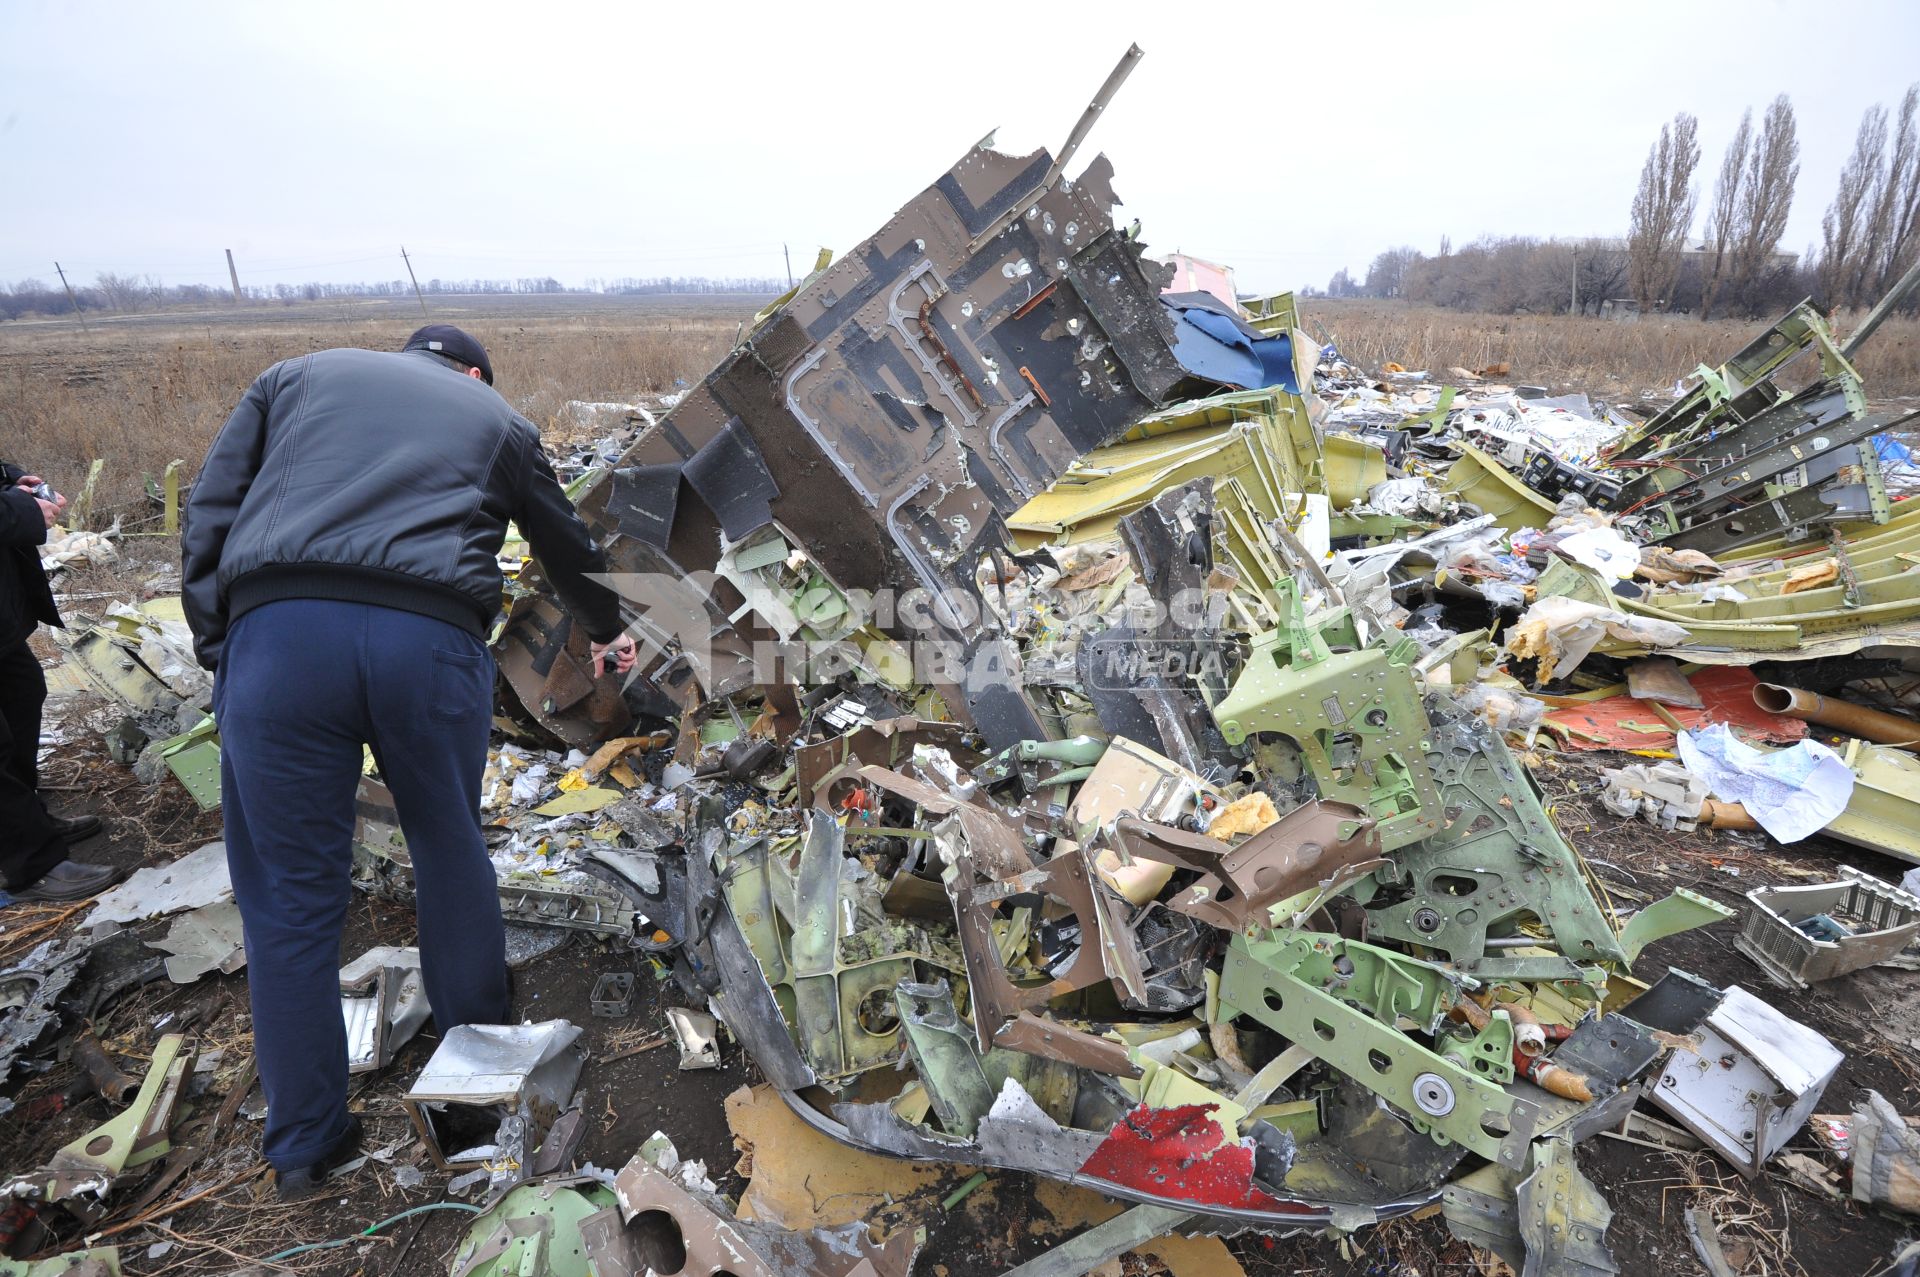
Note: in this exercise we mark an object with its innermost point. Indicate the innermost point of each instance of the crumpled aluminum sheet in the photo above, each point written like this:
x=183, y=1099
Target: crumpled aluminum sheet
x=208, y=939
x=30, y=989
x=196, y=879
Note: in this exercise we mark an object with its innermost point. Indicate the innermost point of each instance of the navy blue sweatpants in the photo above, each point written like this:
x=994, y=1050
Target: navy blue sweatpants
x=302, y=684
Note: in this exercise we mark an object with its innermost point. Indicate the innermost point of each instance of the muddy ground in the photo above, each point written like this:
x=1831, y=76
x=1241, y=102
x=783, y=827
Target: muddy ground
x=1778, y=1227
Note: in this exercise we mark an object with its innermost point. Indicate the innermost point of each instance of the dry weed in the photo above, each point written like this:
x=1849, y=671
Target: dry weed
x=142, y=394
x=1610, y=357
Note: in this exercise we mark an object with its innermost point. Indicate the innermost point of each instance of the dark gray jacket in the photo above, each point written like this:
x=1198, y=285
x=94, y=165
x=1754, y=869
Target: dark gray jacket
x=26, y=597
x=377, y=478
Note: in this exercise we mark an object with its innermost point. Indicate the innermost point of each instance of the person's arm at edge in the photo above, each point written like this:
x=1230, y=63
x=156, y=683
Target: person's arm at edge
x=562, y=544
x=22, y=523
x=212, y=507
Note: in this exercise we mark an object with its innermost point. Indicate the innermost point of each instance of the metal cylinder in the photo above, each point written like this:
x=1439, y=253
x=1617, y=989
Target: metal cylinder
x=1843, y=716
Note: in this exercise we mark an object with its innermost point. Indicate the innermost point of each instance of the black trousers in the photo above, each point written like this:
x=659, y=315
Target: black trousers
x=28, y=845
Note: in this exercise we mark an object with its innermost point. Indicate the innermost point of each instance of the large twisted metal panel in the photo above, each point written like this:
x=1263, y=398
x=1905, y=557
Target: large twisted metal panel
x=905, y=400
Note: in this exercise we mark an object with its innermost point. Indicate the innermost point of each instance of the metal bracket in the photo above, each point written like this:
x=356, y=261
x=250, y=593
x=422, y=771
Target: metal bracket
x=1498, y=861
x=1355, y=714
x=1449, y=1103
x=612, y=996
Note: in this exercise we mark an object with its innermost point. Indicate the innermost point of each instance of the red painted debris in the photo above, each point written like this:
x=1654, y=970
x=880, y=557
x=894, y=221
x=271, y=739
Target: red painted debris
x=1180, y=1154
x=1726, y=694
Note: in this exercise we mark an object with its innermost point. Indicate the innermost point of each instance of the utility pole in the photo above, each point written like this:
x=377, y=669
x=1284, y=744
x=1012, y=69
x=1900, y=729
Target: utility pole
x=234, y=275
x=70, y=297
x=1573, y=293
x=789, y=256
x=414, y=278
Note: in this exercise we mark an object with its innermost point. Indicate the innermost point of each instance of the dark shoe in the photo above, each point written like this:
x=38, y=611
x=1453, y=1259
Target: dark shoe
x=69, y=880
x=76, y=828
x=310, y=1181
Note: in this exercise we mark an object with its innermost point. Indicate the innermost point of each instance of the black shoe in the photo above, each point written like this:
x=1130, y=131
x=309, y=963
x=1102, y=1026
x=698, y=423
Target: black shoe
x=76, y=828
x=68, y=881
x=310, y=1181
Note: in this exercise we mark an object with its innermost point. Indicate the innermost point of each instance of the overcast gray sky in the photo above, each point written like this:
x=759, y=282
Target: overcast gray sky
x=581, y=141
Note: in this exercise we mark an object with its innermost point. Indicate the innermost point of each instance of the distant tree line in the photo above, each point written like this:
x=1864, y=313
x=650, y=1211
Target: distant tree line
x=1517, y=274
x=1731, y=264
x=133, y=294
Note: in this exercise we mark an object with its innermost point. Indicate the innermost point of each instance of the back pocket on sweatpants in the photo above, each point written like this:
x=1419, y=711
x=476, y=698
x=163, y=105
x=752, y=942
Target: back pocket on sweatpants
x=460, y=688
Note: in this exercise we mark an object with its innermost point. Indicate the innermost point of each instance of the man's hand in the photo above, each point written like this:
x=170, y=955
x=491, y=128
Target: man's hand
x=49, y=510
x=624, y=655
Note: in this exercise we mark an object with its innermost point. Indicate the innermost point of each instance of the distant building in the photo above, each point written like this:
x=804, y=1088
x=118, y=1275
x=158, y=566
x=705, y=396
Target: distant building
x=1696, y=251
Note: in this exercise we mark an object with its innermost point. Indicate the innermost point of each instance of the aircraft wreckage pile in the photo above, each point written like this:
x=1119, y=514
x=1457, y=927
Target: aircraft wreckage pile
x=1046, y=760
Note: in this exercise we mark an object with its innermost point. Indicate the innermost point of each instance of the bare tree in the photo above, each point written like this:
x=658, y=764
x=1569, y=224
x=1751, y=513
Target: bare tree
x=1386, y=277
x=1725, y=212
x=1896, y=213
x=1342, y=285
x=1663, y=211
x=122, y=292
x=1599, y=273
x=1847, y=227
x=1766, y=197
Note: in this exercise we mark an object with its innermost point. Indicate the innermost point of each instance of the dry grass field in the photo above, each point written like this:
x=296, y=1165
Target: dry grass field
x=142, y=390
x=1601, y=356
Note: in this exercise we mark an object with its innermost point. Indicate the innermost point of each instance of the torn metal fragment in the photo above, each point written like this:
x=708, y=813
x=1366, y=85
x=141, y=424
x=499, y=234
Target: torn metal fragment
x=1179, y=668
x=1562, y=1218
x=196, y=879
x=1351, y=708
x=1885, y=1156
x=1002, y=1009
x=30, y=993
x=1803, y=935
x=887, y=742
x=1038, y=1036
x=1498, y=860
x=928, y=383
x=383, y=998
x=91, y=1164
x=1087, y=1250
x=658, y=1226
x=1480, y=1210
x=1183, y=1154
x=1705, y=1236
x=544, y=659
x=942, y=1050
x=1316, y=843
x=207, y=939
x=1681, y=910
x=490, y=1085
x=1752, y=1083
x=533, y=1231
x=698, y=1035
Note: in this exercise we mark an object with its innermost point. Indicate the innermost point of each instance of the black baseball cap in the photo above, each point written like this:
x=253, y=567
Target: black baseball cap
x=454, y=343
